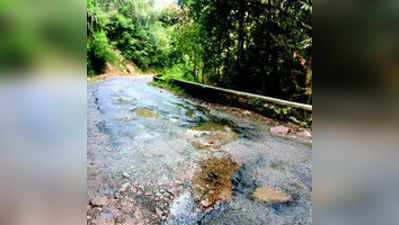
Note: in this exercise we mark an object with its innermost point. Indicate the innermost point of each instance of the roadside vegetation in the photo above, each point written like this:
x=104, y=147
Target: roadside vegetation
x=258, y=46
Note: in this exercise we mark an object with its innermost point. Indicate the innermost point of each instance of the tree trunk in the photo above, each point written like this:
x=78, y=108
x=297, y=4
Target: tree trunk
x=241, y=31
x=195, y=67
x=309, y=74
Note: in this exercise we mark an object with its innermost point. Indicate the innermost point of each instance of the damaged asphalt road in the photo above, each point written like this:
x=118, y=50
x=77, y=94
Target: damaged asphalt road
x=155, y=158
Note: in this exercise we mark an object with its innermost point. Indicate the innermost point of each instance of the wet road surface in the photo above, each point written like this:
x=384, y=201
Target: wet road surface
x=145, y=146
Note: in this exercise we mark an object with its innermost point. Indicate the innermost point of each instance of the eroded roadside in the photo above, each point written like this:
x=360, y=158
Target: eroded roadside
x=155, y=158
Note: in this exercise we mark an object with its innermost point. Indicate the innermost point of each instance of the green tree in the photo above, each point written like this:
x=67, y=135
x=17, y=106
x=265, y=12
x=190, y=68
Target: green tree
x=250, y=45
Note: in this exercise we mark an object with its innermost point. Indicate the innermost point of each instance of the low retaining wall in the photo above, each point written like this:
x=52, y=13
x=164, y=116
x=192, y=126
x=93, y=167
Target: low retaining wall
x=270, y=107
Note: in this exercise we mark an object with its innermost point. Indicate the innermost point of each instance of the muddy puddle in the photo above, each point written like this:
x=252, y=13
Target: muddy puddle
x=146, y=113
x=249, y=201
x=213, y=181
x=214, y=133
x=224, y=191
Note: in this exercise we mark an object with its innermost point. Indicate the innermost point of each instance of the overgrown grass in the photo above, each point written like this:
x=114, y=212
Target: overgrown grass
x=143, y=71
x=167, y=85
x=175, y=72
x=93, y=79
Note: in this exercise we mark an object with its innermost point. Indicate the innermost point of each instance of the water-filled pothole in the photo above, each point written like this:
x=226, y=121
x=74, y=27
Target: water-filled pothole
x=123, y=100
x=210, y=126
x=269, y=195
x=146, y=113
x=244, y=187
x=243, y=183
x=222, y=178
x=220, y=124
x=277, y=166
x=210, y=135
x=190, y=113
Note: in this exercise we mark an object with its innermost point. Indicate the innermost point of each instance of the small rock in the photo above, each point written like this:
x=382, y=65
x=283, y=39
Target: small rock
x=126, y=206
x=130, y=221
x=281, y=130
x=173, y=120
x=99, y=201
x=126, y=175
x=119, y=220
x=206, y=203
x=196, y=133
x=247, y=113
x=124, y=187
x=182, y=210
x=305, y=133
x=158, y=212
x=208, y=210
x=105, y=219
x=138, y=214
x=174, y=191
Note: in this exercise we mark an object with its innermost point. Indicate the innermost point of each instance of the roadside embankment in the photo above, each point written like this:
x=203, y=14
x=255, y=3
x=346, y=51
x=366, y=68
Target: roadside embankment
x=271, y=107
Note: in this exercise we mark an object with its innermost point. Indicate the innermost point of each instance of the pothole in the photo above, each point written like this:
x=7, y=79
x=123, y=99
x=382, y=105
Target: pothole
x=190, y=113
x=277, y=166
x=209, y=135
x=243, y=183
x=210, y=126
x=213, y=181
x=269, y=195
x=124, y=100
x=146, y=113
x=244, y=187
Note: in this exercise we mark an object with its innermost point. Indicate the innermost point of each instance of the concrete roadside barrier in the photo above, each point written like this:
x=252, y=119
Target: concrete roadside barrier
x=271, y=107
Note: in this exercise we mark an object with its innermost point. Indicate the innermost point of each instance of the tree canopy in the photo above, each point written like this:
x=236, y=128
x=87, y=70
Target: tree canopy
x=259, y=46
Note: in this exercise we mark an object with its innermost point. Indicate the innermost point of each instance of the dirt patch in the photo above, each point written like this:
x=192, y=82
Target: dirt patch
x=210, y=126
x=269, y=195
x=276, y=166
x=112, y=71
x=123, y=100
x=117, y=74
x=200, y=145
x=146, y=113
x=213, y=181
x=190, y=113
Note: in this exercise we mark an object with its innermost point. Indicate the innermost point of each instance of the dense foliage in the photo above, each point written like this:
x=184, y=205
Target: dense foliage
x=126, y=30
x=260, y=46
